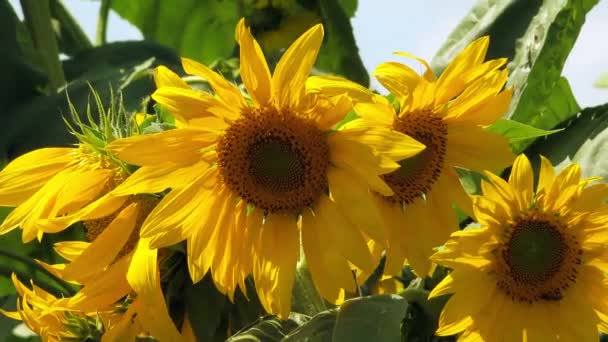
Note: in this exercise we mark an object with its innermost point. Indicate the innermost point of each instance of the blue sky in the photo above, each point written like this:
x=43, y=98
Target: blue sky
x=419, y=27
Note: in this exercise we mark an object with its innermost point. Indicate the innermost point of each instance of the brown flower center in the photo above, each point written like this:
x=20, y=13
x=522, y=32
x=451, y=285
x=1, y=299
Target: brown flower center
x=538, y=259
x=277, y=161
x=418, y=174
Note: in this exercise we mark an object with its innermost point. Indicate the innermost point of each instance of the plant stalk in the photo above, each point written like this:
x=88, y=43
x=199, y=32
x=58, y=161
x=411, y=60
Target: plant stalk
x=37, y=15
x=102, y=22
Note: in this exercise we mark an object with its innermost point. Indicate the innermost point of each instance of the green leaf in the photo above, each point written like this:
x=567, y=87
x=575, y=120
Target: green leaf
x=116, y=66
x=269, y=329
x=504, y=21
x=539, y=60
x=204, y=305
x=374, y=318
x=349, y=7
x=518, y=133
x=602, y=81
x=339, y=53
x=583, y=140
x=202, y=30
x=318, y=329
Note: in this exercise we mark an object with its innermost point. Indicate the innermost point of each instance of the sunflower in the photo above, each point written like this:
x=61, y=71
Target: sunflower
x=53, y=319
x=251, y=174
x=52, y=182
x=448, y=116
x=115, y=264
x=535, y=270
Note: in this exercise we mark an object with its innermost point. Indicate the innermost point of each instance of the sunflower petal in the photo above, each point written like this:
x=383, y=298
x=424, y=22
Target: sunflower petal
x=227, y=91
x=254, y=69
x=292, y=71
x=181, y=146
x=143, y=276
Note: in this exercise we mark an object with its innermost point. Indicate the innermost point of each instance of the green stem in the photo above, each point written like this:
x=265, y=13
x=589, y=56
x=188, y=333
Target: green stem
x=73, y=37
x=102, y=22
x=37, y=15
x=27, y=269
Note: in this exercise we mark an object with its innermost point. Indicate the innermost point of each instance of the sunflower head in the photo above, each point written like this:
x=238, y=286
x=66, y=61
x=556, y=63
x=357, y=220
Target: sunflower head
x=257, y=169
x=538, y=257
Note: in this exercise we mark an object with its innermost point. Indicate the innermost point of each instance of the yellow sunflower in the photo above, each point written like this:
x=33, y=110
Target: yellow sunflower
x=448, y=116
x=56, y=181
x=54, y=319
x=252, y=175
x=535, y=270
x=114, y=264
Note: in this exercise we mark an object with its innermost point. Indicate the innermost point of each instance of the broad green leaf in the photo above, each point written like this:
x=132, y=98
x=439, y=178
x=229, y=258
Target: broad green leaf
x=583, y=140
x=116, y=66
x=305, y=297
x=539, y=60
x=269, y=329
x=320, y=328
x=602, y=81
x=537, y=37
x=504, y=21
x=373, y=318
x=204, y=305
x=339, y=53
x=349, y=7
x=202, y=30
x=518, y=133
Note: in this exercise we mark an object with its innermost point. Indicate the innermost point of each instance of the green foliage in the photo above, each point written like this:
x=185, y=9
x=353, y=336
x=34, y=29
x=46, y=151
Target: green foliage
x=205, y=319
x=539, y=60
x=583, y=140
x=602, y=81
x=202, y=30
x=504, y=21
x=339, y=53
x=112, y=68
x=374, y=318
x=518, y=133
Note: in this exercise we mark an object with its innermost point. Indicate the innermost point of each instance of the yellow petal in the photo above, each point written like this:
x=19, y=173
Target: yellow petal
x=275, y=260
x=209, y=234
x=105, y=289
x=181, y=146
x=342, y=234
x=70, y=249
x=356, y=202
x=254, y=69
x=388, y=142
x=227, y=91
x=399, y=79
x=292, y=71
x=182, y=210
x=23, y=176
x=144, y=277
x=451, y=82
x=335, y=86
x=522, y=180
x=329, y=270
x=189, y=104
x=164, y=77
x=157, y=178
x=106, y=246
x=476, y=95
x=474, y=148
x=380, y=113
